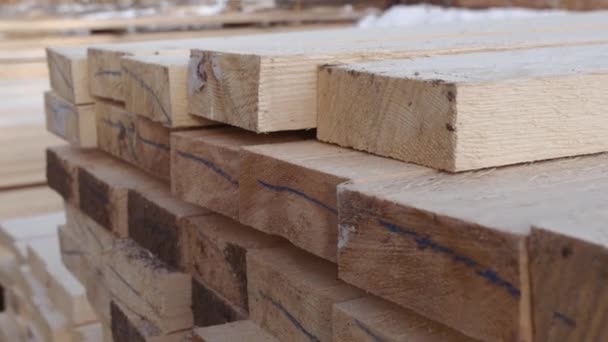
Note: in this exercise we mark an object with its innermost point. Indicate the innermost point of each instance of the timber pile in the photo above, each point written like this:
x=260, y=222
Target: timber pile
x=182, y=220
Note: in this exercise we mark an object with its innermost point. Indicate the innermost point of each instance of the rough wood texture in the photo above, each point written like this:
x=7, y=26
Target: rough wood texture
x=134, y=139
x=373, y=319
x=156, y=86
x=143, y=285
x=271, y=85
x=466, y=232
x=68, y=73
x=441, y=112
x=156, y=222
x=103, y=188
x=75, y=124
x=291, y=293
x=567, y=270
x=205, y=165
x=290, y=189
x=236, y=331
x=215, y=250
x=128, y=327
x=91, y=237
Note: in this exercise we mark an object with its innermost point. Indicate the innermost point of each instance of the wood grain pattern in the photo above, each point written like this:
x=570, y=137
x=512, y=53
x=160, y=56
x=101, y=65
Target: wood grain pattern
x=372, y=319
x=68, y=73
x=146, y=287
x=215, y=250
x=236, y=331
x=155, y=86
x=205, y=165
x=134, y=139
x=128, y=327
x=441, y=112
x=290, y=189
x=466, y=232
x=291, y=293
x=271, y=85
x=74, y=124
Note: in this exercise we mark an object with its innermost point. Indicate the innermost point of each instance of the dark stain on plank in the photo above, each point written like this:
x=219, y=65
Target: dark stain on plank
x=208, y=308
x=58, y=177
x=94, y=198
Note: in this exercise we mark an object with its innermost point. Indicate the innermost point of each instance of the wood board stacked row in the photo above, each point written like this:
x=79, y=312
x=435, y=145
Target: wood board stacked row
x=495, y=255
x=42, y=301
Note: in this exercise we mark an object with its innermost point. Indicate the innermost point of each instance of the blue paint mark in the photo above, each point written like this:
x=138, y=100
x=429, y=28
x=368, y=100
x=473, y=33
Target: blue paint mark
x=210, y=165
x=151, y=91
x=290, y=317
x=424, y=242
x=102, y=72
x=153, y=143
x=565, y=319
x=280, y=188
x=368, y=331
x=61, y=72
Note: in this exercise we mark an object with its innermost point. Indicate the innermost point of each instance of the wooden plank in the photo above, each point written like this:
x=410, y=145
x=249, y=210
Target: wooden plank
x=128, y=327
x=66, y=293
x=68, y=73
x=467, y=232
x=156, y=220
x=10, y=328
x=62, y=164
x=93, y=239
x=373, y=319
x=9, y=265
x=155, y=86
x=290, y=189
x=74, y=124
x=291, y=293
x=272, y=85
x=88, y=271
x=567, y=256
x=146, y=287
x=236, y=331
x=211, y=308
x=460, y=118
x=89, y=332
x=25, y=71
x=103, y=192
x=134, y=139
x=205, y=165
x=214, y=252
x=16, y=233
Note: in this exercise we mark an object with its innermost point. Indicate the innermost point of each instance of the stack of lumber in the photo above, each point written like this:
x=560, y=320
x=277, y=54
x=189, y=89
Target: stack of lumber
x=42, y=300
x=280, y=236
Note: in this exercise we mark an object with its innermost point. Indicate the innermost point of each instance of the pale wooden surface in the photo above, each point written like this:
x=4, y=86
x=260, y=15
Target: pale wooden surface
x=155, y=86
x=215, y=250
x=134, y=139
x=291, y=293
x=271, y=84
x=470, y=111
x=16, y=233
x=65, y=292
x=205, y=165
x=236, y=331
x=68, y=73
x=75, y=124
x=128, y=326
x=466, y=231
x=289, y=189
x=373, y=319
